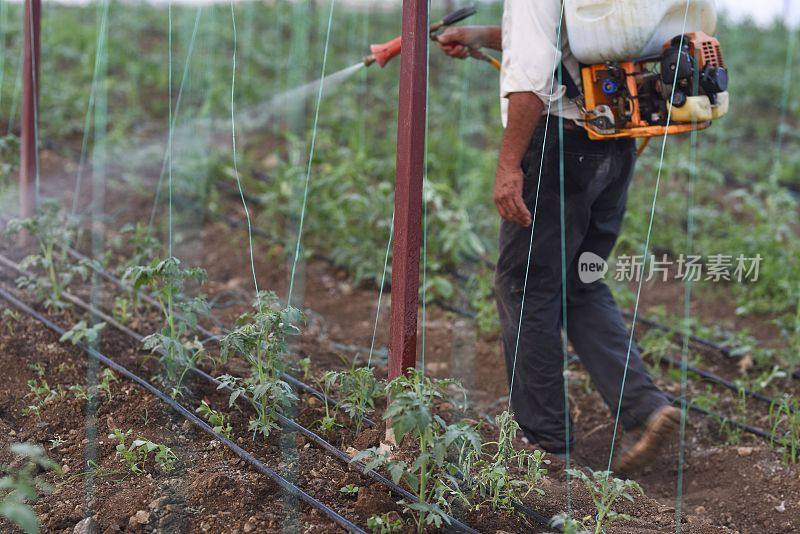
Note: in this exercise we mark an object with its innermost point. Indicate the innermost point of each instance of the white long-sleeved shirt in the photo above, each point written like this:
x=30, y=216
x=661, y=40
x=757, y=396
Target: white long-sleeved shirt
x=531, y=55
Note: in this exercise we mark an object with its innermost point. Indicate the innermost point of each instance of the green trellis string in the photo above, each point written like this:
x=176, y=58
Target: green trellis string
x=380, y=292
x=235, y=159
x=555, y=69
x=167, y=159
x=311, y=154
x=101, y=44
x=646, y=247
x=171, y=125
x=425, y=199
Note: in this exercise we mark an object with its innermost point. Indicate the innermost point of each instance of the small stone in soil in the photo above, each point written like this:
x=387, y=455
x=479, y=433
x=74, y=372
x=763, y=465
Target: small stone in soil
x=85, y=526
x=142, y=517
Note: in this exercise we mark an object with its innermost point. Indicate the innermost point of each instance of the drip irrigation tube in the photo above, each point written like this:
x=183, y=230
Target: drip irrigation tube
x=344, y=457
x=726, y=351
x=695, y=339
x=286, y=422
x=210, y=336
x=716, y=379
x=285, y=485
x=721, y=419
x=301, y=385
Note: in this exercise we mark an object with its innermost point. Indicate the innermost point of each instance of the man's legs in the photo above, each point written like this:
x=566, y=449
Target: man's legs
x=595, y=326
x=533, y=347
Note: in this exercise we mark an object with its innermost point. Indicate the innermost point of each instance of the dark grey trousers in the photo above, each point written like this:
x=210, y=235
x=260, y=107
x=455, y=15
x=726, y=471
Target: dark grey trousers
x=597, y=176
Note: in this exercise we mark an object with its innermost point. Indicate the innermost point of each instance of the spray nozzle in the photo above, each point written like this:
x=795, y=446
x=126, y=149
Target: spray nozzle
x=383, y=53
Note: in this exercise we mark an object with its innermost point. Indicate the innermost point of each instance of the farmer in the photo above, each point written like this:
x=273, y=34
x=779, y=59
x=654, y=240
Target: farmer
x=597, y=176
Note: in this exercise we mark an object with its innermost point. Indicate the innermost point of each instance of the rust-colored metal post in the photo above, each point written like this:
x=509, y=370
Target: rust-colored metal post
x=408, y=188
x=30, y=102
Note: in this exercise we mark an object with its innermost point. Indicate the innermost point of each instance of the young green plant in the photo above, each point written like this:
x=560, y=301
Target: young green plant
x=21, y=488
x=53, y=232
x=167, y=279
x=260, y=338
x=439, y=447
x=606, y=491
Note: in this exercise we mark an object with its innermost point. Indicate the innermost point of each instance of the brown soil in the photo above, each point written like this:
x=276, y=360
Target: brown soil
x=737, y=487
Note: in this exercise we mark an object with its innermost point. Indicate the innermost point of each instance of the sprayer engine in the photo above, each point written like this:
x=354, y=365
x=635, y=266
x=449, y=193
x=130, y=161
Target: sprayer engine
x=682, y=89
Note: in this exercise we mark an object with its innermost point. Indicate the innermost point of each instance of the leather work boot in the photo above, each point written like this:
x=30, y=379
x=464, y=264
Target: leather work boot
x=661, y=427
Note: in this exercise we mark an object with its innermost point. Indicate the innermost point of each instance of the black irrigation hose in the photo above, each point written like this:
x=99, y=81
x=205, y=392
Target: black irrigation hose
x=722, y=420
x=291, y=380
x=288, y=423
x=698, y=340
x=285, y=485
x=343, y=456
x=716, y=379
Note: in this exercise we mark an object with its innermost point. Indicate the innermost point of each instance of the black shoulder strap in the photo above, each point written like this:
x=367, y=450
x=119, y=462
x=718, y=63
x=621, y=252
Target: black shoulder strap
x=573, y=92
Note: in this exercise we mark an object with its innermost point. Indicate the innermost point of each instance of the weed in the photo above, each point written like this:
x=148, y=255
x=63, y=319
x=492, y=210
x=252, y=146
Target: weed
x=328, y=421
x=42, y=394
x=218, y=421
x=785, y=413
x=167, y=279
x=79, y=392
x=137, y=454
x=38, y=368
x=733, y=433
x=104, y=385
x=569, y=525
x=605, y=491
x=304, y=365
x=385, y=524
x=260, y=338
x=106, y=377
x=122, y=309
x=440, y=446
x=708, y=400
x=56, y=442
x=81, y=333
x=53, y=233
x=10, y=318
x=21, y=488
x=351, y=490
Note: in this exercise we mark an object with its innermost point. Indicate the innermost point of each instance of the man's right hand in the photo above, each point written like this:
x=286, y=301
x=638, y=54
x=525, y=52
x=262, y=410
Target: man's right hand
x=458, y=41
x=508, y=184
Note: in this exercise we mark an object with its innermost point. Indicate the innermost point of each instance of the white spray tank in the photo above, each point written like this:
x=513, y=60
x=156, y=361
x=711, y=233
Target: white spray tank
x=620, y=30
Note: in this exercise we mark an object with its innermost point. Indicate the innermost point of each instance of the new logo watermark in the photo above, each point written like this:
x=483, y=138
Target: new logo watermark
x=693, y=268
x=591, y=267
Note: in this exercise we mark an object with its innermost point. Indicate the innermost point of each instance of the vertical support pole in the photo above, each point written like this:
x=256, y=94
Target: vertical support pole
x=408, y=188
x=30, y=102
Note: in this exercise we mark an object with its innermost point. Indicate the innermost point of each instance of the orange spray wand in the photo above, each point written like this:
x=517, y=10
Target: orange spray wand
x=384, y=52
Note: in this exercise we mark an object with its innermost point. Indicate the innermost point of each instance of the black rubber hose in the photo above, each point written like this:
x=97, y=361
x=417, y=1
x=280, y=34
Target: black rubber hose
x=335, y=451
x=490, y=265
x=716, y=379
x=288, y=423
x=698, y=340
x=343, y=456
x=291, y=380
x=284, y=484
x=722, y=420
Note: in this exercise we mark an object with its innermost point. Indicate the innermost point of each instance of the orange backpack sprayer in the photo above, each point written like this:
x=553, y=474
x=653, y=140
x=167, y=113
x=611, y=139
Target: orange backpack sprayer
x=635, y=98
